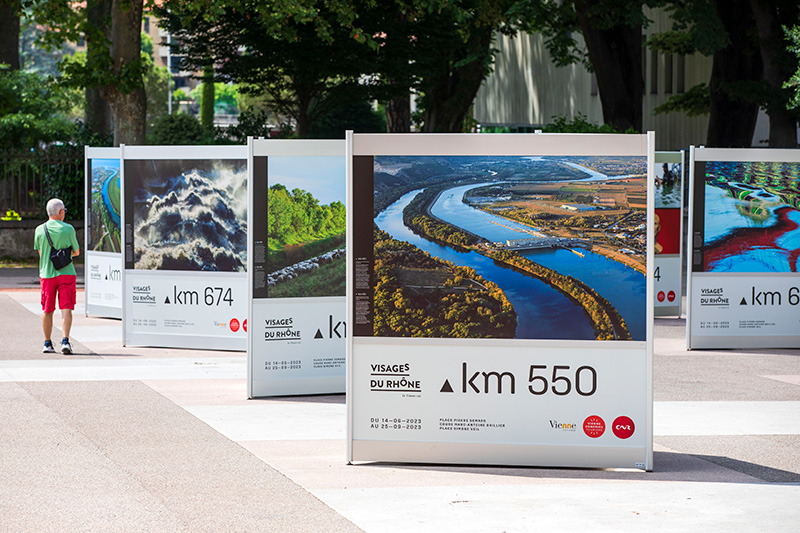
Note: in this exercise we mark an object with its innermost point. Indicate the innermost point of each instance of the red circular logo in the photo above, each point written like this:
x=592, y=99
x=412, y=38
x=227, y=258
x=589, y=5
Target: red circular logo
x=623, y=427
x=244, y=324
x=234, y=325
x=661, y=296
x=594, y=426
x=671, y=296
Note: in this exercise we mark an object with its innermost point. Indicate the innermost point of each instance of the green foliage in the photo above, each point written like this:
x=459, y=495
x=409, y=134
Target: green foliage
x=703, y=30
x=793, y=35
x=32, y=110
x=672, y=42
x=359, y=117
x=694, y=102
x=579, y=124
x=178, y=129
x=226, y=96
x=296, y=217
x=252, y=123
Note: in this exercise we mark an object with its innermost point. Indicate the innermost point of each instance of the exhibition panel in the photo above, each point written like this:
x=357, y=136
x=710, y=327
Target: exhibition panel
x=296, y=343
x=185, y=246
x=500, y=307
x=103, y=253
x=668, y=233
x=743, y=286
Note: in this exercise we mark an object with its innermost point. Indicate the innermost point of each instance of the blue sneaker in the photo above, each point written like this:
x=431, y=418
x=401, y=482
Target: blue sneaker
x=48, y=347
x=66, y=347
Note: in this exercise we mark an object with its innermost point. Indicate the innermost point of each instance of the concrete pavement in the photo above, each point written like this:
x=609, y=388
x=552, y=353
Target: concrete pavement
x=138, y=439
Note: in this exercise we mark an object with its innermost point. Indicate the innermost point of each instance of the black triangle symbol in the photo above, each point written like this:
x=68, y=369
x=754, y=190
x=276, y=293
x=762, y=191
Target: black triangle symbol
x=167, y=300
x=446, y=387
x=318, y=335
x=106, y=277
x=743, y=302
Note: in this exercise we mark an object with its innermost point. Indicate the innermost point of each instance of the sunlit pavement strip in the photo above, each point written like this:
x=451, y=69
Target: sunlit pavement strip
x=244, y=423
x=124, y=369
x=593, y=507
x=275, y=421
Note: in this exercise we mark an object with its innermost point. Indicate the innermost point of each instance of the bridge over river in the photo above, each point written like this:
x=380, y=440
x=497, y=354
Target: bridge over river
x=543, y=243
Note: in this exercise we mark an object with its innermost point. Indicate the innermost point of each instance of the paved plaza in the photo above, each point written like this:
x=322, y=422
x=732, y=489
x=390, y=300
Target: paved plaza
x=142, y=439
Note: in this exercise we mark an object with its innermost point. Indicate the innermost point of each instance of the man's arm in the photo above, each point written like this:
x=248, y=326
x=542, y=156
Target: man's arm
x=74, y=253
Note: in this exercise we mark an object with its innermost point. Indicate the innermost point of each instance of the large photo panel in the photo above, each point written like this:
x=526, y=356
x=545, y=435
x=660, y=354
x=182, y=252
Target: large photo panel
x=185, y=246
x=103, y=253
x=668, y=233
x=296, y=344
x=471, y=249
x=744, y=286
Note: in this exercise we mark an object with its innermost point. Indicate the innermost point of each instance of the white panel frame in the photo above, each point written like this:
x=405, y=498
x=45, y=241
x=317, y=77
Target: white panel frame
x=693, y=339
x=501, y=453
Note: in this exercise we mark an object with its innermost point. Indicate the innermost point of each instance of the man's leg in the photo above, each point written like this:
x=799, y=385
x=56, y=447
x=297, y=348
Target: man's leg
x=48, y=295
x=66, y=321
x=47, y=325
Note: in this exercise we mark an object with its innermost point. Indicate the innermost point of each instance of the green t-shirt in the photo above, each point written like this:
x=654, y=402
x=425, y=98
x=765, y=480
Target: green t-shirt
x=62, y=235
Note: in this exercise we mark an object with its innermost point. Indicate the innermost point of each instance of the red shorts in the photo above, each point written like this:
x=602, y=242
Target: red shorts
x=65, y=286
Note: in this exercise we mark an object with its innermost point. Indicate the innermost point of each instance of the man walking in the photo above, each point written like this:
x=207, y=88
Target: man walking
x=56, y=234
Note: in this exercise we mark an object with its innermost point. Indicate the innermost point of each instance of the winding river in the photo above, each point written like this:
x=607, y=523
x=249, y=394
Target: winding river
x=542, y=312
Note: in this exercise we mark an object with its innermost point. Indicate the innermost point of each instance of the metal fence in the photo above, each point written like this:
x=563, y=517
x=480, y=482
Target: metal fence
x=29, y=178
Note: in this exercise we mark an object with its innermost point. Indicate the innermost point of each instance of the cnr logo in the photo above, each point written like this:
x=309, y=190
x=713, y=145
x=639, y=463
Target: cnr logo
x=623, y=427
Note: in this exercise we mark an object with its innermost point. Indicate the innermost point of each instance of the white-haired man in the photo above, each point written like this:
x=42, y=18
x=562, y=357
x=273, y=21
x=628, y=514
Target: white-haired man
x=55, y=233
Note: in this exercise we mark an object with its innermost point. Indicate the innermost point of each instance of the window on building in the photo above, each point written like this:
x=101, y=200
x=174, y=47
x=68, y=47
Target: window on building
x=147, y=24
x=594, y=84
x=681, y=75
x=653, y=71
x=668, y=74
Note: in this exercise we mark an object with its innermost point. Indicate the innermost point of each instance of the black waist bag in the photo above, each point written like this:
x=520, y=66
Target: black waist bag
x=60, y=257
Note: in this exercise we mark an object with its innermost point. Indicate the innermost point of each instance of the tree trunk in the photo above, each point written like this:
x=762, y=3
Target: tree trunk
x=97, y=113
x=732, y=120
x=450, y=92
x=207, y=102
x=127, y=97
x=616, y=55
x=9, y=33
x=782, y=123
x=398, y=115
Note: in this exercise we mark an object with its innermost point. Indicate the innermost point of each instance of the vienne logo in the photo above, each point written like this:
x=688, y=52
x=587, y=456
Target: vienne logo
x=555, y=424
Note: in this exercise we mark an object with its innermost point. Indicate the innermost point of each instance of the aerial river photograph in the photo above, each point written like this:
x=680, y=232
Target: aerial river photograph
x=513, y=247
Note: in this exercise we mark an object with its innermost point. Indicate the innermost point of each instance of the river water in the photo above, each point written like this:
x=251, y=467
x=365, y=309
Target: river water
x=542, y=312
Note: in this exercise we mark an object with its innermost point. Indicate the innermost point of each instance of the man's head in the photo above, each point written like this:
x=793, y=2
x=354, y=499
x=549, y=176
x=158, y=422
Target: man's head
x=55, y=207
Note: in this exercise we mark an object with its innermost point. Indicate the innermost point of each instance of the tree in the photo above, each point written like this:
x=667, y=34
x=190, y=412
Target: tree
x=453, y=54
x=125, y=91
x=98, y=27
x=613, y=35
x=307, y=56
x=611, y=30
x=793, y=34
x=10, y=11
x=113, y=65
x=751, y=63
x=207, y=101
x=776, y=59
